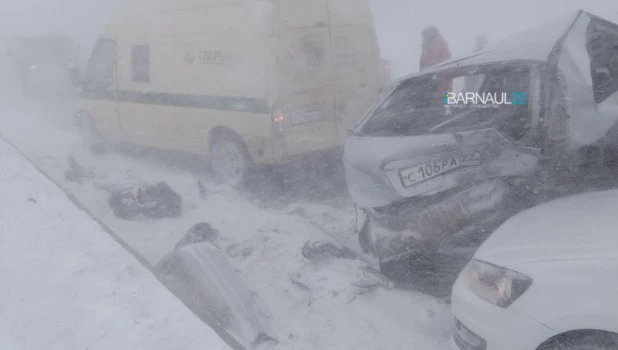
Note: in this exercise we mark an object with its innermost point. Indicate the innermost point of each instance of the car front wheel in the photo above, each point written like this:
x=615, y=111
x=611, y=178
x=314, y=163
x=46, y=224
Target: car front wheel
x=603, y=341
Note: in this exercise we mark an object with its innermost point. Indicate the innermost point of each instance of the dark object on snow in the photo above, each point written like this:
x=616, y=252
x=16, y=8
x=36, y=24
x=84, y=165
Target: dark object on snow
x=300, y=284
x=203, y=190
x=76, y=172
x=317, y=250
x=199, y=233
x=158, y=201
x=32, y=200
x=124, y=204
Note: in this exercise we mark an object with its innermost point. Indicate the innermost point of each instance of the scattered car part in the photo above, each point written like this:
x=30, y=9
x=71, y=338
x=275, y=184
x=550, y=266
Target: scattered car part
x=202, y=277
x=199, y=233
x=156, y=202
x=316, y=250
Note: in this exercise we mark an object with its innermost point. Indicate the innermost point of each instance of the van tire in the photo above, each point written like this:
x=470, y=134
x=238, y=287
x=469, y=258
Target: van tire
x=91, y=137
x=230, y=159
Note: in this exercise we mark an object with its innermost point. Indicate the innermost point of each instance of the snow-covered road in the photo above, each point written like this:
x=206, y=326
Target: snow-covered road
x=66, y=284
x=315, y=304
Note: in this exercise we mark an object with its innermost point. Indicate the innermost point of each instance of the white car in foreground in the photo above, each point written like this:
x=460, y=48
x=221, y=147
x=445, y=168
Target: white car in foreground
x=546, y=279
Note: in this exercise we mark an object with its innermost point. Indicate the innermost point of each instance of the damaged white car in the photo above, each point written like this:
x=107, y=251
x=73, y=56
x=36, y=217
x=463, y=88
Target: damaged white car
x=452, y=152
x=543, y=280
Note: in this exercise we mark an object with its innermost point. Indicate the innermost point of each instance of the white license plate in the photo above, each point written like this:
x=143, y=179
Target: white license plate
x=306, y=117
x=418, y=173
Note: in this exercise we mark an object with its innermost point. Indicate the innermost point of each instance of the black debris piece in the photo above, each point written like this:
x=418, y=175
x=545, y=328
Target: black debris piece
x=76, y=172
x=155, y=202
x=159, y=201
x=124, y=204
x=199, y=233
x=202, y=189
x=300, y=284
x=316, y=250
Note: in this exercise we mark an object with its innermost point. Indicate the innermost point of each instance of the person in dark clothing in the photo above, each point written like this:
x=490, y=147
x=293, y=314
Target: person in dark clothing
x=435, y=49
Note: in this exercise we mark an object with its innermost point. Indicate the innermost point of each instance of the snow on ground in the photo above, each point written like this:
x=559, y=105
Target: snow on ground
x=314, y=304
x=66, y=284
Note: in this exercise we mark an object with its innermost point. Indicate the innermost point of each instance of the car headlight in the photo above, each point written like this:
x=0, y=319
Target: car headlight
x=494, y=284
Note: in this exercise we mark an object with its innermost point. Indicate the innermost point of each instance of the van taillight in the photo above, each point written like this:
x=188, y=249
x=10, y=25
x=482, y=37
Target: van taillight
x=278, y=122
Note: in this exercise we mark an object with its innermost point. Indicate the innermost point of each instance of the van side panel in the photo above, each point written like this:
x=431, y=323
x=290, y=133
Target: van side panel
x=105, y=115
x=225, y=63
x=208, y=64
x=221, y=56
x=146, y=114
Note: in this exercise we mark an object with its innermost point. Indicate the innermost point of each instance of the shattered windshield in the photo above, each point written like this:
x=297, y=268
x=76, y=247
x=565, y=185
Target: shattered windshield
x=312, y=175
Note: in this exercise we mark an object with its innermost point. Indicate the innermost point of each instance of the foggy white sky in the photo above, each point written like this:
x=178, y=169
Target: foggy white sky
x=399, y=22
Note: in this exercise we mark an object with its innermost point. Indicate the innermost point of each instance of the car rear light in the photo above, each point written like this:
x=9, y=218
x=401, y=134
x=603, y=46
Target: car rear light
x=278, y=120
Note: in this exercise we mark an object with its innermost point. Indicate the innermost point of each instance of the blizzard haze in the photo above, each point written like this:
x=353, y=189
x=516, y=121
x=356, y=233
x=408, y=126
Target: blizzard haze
x=261, y=178
x=399, y=22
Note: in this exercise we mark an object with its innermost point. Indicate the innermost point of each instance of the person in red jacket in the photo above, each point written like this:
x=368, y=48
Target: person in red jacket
x=435, y=49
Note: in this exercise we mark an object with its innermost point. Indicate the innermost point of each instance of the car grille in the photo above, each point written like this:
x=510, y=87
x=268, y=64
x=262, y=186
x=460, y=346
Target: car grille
x=466, y=339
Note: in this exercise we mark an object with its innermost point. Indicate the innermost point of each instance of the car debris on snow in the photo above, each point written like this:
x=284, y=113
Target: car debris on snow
x=247, y=247
x=77, y=173
x=203, y=190
x=155, y=202
x=198, y=233
x=316, y=250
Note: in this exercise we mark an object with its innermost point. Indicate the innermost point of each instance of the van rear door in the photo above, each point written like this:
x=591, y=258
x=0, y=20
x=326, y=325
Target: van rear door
x=306, y=83
x=356, y=60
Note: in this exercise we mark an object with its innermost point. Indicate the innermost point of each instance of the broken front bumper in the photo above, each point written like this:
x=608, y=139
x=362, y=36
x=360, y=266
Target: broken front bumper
x=422, y=224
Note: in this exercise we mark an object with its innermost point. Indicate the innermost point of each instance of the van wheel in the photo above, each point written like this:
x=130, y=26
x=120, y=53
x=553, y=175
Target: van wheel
x=230, y=160
x=91, y=137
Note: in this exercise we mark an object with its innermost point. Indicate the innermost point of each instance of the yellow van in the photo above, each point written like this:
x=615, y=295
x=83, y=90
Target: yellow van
x=242, y=81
